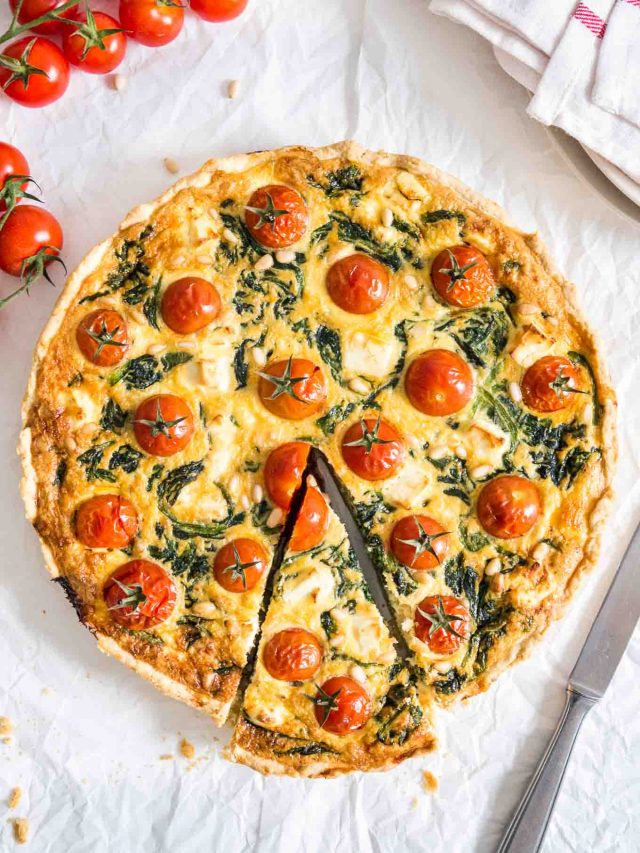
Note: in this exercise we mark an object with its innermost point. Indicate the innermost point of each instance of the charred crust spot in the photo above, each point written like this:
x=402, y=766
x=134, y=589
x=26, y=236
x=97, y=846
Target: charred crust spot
x=73, y=598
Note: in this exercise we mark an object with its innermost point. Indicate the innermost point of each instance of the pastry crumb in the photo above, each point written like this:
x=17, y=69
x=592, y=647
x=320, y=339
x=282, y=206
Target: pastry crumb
x=166, y=757
x=20, y=829
x=171, y=166
x=429, y=782
x=14, y=798
x=6, y=726
x=187, y=749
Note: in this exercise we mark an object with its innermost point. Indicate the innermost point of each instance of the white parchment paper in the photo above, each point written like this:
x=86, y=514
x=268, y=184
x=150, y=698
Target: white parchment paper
x=89, y=734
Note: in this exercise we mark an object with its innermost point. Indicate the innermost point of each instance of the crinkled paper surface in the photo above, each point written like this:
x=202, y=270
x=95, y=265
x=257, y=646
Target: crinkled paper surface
x=89, y=734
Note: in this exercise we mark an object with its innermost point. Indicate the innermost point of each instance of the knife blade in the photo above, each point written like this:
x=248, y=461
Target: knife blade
x=612, y=628
x=319, y=466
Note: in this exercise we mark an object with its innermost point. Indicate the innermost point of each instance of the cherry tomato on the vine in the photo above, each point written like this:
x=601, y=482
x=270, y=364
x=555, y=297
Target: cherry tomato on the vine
x=218, y=10
x=40, y=75
x=442, y=622
x=106, y=521
x=276, y=216
x=550, y=383
x=30, y=238
x=163, y=425
x=462, y=276
x=373, y=449
x=419, y=542
x=292, y=388
x=342, y=705
x=139, y=595
x=292, y=655
x=32, y=9
x=12, y=164
x=152, y=22
x=240, y=564
x=96, y=45
x=102, y=337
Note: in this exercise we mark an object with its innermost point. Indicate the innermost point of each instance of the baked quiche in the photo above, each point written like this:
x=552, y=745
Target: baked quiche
x=367, y=304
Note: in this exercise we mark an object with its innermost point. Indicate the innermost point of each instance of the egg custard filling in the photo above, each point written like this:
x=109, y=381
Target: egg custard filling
x=374, y=307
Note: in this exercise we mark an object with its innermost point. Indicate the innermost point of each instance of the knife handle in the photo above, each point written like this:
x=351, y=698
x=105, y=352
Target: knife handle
x=528, y=826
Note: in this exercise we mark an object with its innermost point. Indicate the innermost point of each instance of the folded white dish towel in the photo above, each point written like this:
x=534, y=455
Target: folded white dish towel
x=617, y=85
x=553, y=47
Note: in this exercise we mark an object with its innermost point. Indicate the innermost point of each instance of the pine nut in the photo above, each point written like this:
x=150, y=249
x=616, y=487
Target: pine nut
x=190, y=345
x=156, y=349
x=480, y=472
x=540, y=552
x=203, y=260
x=275, y=517
x=234, y=483
x=528, y=308
x=232, y=89
x=413, y=441
x=205, y=609
x=358, y=385
x=70, y=443
x=171, y=166
x=588, y=413
x=498, y=583
x=245, y=503
x=387, y=217
x=407, y=625
x=357, y=673
x=438, y=452
x=461, y=452
x=177, y=261
x=285, y=256
x=119, y=82
x=229, y=236
x=263, y=264
x=515, y=392
x=259, y=356
x=359, y=338
x=493, y=567
x=411, y=281
x=257, y=493
x=442, y=667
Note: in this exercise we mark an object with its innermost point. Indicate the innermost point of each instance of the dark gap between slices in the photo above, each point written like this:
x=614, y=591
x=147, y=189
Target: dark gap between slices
x=328, y=482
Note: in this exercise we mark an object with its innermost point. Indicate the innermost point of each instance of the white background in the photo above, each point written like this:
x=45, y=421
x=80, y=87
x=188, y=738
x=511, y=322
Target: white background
x=89, y=733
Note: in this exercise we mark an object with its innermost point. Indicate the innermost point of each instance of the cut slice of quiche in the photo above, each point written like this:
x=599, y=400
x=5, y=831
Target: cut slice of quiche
x=328, y=692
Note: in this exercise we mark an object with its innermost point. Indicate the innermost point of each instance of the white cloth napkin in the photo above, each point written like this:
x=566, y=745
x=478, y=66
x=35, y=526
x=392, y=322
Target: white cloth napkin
x=617, y=85
x=554, y=47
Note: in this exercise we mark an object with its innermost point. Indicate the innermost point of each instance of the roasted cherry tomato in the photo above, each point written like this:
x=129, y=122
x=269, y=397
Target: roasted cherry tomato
x=358, y=284
x=240, y=564
x=97, y=45
x=102, y=337
x=419, y=542
x=139, y=595
x=462, y=276
x=439, y=382
x=27, y=85
x=442, y=622
x=276, y=216
x=32, y=9
x=292, y=388
x=550, y=383
x=292, y=655
x=372, y=449
x=12, y=163
x=152, y=22
x=28, y=238
x=106, y=521
x=218, y=10
x=163, y=425
x=312, y=521
x=342, y=705
x=508, y=506
x=190, y=304
x=283, y=471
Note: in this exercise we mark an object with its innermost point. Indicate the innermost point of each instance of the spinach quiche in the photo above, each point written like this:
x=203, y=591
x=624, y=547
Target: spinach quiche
x=373, y=306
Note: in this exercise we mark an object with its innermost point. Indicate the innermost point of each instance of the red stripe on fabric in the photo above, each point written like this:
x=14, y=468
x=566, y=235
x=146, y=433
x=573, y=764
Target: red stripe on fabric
x=633, y=2
x=591, y=21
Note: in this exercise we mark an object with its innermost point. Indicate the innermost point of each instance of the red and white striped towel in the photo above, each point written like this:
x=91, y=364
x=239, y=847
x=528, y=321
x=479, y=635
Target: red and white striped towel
x=553, y=47
x=617, y=84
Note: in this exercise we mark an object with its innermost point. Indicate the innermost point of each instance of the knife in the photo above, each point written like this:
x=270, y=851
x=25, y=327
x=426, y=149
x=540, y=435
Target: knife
x=319, y=466
x=598, y=661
